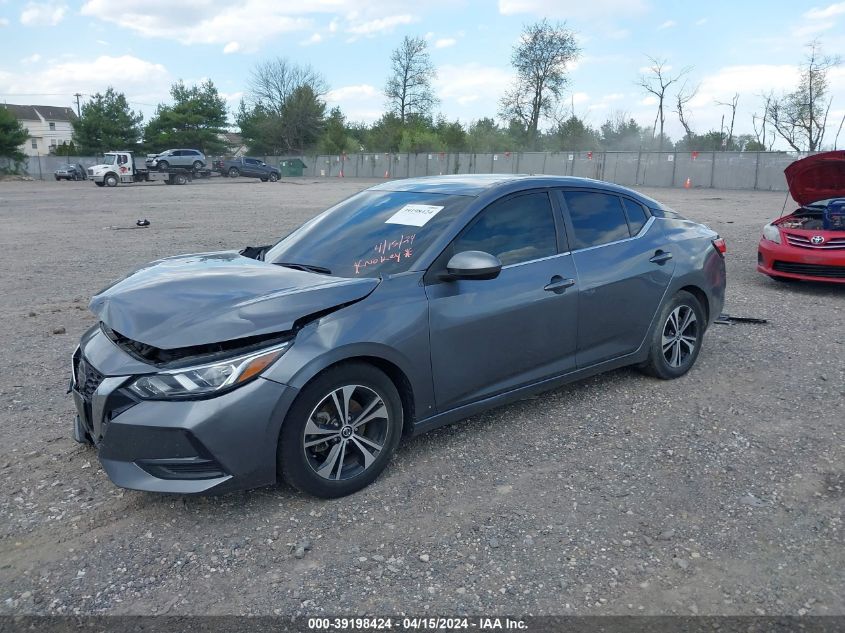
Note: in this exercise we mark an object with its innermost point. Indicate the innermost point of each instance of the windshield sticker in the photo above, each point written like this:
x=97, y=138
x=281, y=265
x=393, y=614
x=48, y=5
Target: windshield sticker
x=389, y=250
x=414, y=214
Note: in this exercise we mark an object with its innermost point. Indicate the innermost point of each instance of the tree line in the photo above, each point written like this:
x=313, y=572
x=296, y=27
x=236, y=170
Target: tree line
x=284, y=111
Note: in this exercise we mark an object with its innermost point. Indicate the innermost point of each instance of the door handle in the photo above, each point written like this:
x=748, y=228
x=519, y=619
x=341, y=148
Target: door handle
x=660, y=257
x=558, y=284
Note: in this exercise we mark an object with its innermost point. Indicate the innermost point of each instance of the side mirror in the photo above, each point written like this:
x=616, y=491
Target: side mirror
x=472, y=265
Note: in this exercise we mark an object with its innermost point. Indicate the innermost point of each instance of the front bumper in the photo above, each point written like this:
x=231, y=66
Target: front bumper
x=181, y=446
x=783, y=260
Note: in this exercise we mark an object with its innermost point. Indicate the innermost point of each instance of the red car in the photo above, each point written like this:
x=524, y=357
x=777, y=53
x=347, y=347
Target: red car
x=810, y=242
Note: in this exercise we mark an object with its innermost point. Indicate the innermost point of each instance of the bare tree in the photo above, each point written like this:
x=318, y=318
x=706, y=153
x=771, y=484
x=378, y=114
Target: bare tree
x=762, y=132
x=684, y=96
x=274, y=82
x=540, y=60
x=732, y=105
x=408, y=88
x=657, y=83
x=800, y=117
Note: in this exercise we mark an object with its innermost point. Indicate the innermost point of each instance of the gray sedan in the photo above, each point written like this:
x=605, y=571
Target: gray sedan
x=410, y=305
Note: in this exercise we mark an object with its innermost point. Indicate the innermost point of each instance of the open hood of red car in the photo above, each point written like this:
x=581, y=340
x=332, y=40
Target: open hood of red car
x=817, y=177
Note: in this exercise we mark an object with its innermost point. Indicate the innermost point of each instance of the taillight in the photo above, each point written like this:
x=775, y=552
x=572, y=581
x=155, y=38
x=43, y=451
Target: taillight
x=720, y=245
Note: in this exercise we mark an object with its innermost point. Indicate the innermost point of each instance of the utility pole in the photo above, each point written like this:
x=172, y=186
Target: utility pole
x=77, y=95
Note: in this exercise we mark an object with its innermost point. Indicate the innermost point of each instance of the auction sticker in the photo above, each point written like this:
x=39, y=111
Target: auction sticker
x=414, y=214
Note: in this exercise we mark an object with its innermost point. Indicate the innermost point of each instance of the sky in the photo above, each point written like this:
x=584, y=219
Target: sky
x=51, y=49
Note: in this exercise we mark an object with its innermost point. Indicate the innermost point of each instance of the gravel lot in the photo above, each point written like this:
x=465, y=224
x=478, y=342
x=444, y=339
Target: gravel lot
x=719, y=493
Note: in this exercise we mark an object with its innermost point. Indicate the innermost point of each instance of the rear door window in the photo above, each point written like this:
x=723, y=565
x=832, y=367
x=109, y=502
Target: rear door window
x=597, y=218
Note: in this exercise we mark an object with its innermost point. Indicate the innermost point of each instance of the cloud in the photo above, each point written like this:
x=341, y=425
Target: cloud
x=4, y=22
x=701, y=22
x=346, y=93
x=379, y=25
x=361, y=102
x=231, y=47
x=565, y=9
x=668, y=24
x=810, y=30
x=43, y=13
x=445, y=42
x=829, y=11
x=35, y=57
x=468, y=83
x=315, y=38
x=748, y=79
x=141, y=80
x=200, y=22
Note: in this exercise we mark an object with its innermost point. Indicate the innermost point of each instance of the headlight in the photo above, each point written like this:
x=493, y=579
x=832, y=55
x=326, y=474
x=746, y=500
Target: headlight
x=204, y=380
x=771, y=233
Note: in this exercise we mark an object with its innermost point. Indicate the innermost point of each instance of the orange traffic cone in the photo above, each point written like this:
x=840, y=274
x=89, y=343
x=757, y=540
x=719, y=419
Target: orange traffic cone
x=688, y=184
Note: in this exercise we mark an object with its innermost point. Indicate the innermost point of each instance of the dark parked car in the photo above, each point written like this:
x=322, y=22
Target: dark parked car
x=71, y=171
x=182, y=158
x=247, y=167
x=410, y=305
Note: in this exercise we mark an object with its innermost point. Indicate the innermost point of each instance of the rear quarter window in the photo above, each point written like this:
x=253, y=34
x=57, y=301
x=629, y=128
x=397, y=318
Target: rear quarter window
x=637, y=215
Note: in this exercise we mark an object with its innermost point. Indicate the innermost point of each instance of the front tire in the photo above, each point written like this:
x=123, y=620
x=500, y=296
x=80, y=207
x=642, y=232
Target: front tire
x=111, y=180
x=676, y=338
x=341, y=431
x=234, y=173
x=163, y=165
x=273, y=177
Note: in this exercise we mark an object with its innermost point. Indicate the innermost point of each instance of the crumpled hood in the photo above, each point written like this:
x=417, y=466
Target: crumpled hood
x=214, y=297
x=817, y=177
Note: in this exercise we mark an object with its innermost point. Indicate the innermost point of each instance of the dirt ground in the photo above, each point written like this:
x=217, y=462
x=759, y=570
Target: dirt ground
x=718, y=493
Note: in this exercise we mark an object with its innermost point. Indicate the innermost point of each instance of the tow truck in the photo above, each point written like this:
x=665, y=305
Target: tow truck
x=123, y=167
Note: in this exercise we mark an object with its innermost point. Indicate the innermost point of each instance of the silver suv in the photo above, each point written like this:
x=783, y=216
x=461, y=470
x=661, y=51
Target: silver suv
x=190, y=158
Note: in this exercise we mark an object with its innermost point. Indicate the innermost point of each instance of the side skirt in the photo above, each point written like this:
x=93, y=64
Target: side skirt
x=467, y=410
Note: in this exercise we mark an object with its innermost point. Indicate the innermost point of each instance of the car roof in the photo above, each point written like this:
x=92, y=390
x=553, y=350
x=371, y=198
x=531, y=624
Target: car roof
x=476, y=184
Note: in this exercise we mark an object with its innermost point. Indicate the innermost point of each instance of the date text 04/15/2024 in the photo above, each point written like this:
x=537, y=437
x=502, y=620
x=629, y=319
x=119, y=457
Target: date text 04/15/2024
x=415, y=624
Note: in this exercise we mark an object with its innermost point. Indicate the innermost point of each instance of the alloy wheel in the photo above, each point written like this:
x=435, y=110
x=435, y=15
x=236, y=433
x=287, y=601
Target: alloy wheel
x=680, y=336
x=346, y=432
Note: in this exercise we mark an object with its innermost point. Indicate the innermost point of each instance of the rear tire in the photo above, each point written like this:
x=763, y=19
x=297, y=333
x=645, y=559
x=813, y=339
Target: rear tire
x=111, y=180
x=197, y=165
x=180, y=179
x=676, y=338
x=349, y=456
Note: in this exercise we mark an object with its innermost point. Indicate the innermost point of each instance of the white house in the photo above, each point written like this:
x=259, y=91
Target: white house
x=48, y=126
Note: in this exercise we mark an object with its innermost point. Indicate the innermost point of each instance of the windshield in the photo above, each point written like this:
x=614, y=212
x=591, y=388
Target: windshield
x=372, y=233
x=109, y=159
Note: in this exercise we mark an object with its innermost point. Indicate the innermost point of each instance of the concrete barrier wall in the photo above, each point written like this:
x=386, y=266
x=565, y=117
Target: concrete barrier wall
x=720, y=170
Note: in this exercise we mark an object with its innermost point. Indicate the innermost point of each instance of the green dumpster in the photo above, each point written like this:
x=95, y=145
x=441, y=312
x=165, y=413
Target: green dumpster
x=292, y=167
